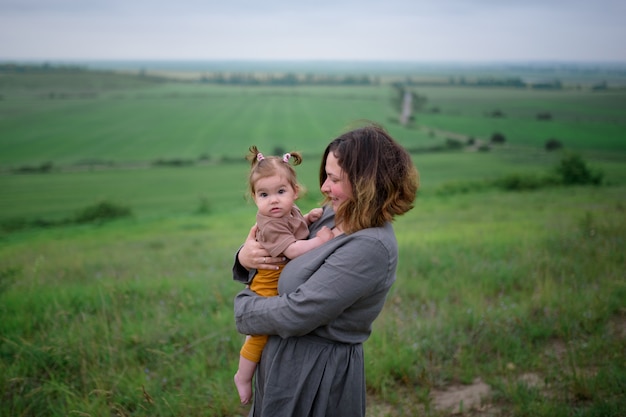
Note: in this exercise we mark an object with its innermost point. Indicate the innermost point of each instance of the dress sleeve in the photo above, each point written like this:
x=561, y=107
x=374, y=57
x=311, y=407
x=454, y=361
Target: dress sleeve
x=241, y=274
x=352, y=272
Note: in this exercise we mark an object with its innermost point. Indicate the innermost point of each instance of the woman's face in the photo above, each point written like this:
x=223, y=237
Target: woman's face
x=337, y=186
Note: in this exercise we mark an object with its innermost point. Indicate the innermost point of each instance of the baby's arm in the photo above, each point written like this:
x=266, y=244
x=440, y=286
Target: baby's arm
x=299, y=247
x=313, y=215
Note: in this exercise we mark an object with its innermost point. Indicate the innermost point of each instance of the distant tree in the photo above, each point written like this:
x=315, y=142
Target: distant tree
x=547, y=85
x=419, y=101
x=573, y=170
x=544, y=116
x=498, y=138
x=102, y=211
x=553, y=144
x=452, y=143
x=601, y=86
x=279, y=150
x=43, y=168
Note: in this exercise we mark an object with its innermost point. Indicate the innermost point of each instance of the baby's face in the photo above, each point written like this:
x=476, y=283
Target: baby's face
x=274, y=196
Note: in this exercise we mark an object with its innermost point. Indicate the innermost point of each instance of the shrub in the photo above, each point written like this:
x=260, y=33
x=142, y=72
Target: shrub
x=452, y=143
x=572, y=170
x=43, y=168
x=204, y=206
x=544, y=116
x=102, y=211
x=498, y=138
x=461, y=187
x=175, y=162
x=519, y=182
x=278, y=150
x=97, y=213
x=553, y=144
x=14, y=224
x=21, y=223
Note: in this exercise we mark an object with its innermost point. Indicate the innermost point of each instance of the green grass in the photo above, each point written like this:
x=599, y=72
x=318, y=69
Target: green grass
x=499, y=286
x=581, y=119
x=490, y=285
x=133, y=317
x=162, y=191
x=185, y=121
x=148, y=192
x=188, y=121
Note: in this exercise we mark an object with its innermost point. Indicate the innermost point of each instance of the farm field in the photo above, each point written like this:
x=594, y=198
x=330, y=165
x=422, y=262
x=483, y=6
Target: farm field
x=512, y=300
x=98, y=134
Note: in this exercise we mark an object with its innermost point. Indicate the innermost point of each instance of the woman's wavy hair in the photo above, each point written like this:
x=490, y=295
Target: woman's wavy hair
x=262, y=166
x=383, y=177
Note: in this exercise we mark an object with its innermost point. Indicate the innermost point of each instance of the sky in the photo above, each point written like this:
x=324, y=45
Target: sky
x=390, y=30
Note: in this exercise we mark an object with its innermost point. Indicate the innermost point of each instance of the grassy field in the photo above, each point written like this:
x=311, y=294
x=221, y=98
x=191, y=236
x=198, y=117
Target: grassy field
x=490, y=286
x=520, y=291
x=181, y=121
x=98, y=134
x=582, y=120
x=162, y=191
x=89, y=123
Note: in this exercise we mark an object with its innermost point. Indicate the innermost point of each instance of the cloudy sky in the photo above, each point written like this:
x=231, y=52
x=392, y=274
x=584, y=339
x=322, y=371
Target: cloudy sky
x=408, y=30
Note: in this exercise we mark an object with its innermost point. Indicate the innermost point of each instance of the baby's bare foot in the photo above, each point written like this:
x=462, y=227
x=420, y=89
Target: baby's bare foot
x=244, y=387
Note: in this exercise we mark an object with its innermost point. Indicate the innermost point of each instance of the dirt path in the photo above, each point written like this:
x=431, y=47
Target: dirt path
x=459, y=398
x=407, y=108
x=453, y=400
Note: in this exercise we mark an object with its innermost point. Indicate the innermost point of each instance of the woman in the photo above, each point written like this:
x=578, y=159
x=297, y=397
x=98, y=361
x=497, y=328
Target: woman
x=313, y=362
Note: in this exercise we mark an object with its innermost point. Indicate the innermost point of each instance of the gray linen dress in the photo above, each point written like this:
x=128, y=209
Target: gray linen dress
x=313, y=365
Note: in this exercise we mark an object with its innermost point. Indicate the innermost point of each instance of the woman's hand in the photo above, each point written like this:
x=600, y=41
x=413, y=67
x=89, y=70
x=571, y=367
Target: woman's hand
x=253, y=256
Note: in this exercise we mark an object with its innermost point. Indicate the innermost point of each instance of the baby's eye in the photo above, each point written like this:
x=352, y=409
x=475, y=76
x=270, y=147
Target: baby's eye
x=282, y=191
x=262, y=194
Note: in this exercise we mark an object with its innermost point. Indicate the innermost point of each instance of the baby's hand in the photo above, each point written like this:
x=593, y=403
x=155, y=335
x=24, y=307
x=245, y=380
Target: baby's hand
x=314, y=215
x=325, y=234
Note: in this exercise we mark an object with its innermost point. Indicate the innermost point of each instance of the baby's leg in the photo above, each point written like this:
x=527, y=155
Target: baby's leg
x=243, y=379
x=250, y=355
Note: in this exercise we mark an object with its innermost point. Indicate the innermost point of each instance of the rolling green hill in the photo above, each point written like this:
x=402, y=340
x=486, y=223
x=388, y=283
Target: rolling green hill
x=517, y=290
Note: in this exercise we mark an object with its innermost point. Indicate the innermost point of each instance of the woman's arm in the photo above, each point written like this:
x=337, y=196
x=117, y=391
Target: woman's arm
x=353, y=271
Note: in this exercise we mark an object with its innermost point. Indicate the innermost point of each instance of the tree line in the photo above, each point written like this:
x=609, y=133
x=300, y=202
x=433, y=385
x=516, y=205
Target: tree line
x=287, y=79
